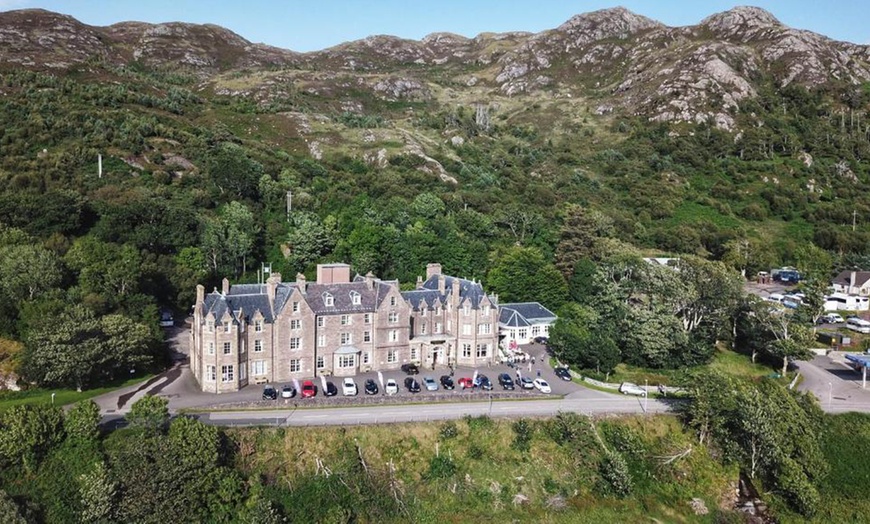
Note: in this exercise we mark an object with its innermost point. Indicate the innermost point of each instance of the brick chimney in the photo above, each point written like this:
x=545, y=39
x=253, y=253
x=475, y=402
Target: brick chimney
x=300, y=283
x=272, y=286
x=432, y=269
x=419, y=282
x=370, y=280
x=225, y=287
x=852, y=276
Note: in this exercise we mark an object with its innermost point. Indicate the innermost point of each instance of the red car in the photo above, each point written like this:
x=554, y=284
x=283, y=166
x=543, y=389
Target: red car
x=308, y=389
x=465, y=383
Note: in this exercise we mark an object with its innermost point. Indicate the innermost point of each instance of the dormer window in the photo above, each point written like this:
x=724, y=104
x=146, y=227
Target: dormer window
x=210, y=326
x=355, y=298
x=258, y=326
x=227, y=327
x=486, y=310
x=328, y=300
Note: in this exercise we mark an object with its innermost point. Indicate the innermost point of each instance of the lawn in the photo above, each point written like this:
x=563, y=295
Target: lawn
x=62, y=397
x=724, y=360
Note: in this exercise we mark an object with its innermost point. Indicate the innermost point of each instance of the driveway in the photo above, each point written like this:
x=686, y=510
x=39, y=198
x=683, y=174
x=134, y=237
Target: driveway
x=837, y=386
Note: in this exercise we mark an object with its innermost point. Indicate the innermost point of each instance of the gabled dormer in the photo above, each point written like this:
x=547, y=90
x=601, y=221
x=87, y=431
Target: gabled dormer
x=210, y=322
x=258, y=321
x=328, y=299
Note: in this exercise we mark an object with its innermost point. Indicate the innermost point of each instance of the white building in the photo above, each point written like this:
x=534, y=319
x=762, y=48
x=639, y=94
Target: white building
x=520, y=323
x=844, y=302
x=852, y=283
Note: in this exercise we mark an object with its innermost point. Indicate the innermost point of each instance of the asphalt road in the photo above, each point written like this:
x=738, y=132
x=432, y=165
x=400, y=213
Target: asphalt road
x=837, y=386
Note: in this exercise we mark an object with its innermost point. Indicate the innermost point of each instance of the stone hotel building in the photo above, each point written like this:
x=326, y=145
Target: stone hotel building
x=280, y=331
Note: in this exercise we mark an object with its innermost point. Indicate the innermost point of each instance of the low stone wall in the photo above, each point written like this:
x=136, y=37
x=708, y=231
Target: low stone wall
x=377, y=400
x=598, y=383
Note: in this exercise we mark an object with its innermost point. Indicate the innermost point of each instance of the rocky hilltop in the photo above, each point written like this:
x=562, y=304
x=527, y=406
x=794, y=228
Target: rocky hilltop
x=618, y=59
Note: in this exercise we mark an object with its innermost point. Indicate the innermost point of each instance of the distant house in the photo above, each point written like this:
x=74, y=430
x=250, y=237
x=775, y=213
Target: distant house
x=522, y=322
x=853, y=283
x=671, y=263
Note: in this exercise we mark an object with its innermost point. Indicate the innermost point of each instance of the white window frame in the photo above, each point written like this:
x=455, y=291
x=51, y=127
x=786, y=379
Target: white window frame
x=321, y=362
x=295, y=365
x=367, y=319
x=295, y=323
x=228, y=327
x=259, y=368
x=466, y=350
x=227, y=373
x=423, y=328
x=296, y=307
x=466, y=310
x=437, y=328
x=413, y=353
x=258, y=346
x=392, y=356
x=523, y=333
x=355, y=298
x=209, y=326
x=366, y=357
x=482, y=350
x=367, y=336
x=486, y=309
x=346, y=320
x=321, y=341
x=347, y=361
x=346, y=339
x=228, y=348
x=210, y=373
x=210, y=348
x=466, y=329
x=393, y=318
x=258, y=326
x=394, y=335
x=484, y=328
x=328, y=300
x=295, y=343
x=393, y=301
x=321, y=321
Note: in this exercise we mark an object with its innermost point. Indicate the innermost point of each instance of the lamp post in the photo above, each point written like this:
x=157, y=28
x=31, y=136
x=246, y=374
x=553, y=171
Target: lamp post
x=645, y=395
x=830, y=393
x=52, y=399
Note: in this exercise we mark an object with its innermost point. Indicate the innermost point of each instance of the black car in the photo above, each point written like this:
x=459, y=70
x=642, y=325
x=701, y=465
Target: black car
x=371, y=387
x=541, y=340
x=562, y=373
x=483, y=382
x=506, y=381
x=446, y=382
x=270, y=393
x=331, y=390
x=412, y=385
x=410, y=369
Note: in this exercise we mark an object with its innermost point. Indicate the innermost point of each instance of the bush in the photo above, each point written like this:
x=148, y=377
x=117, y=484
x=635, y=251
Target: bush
x=523, y=433
x=480, y=423
x=614, y=471
x=449, y=430
x=441, y=467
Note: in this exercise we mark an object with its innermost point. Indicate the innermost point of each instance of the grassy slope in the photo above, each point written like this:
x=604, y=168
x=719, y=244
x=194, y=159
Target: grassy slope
x=62, y=396
x=490, y=472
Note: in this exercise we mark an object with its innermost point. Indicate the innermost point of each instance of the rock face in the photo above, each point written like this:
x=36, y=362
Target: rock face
x=626, y=61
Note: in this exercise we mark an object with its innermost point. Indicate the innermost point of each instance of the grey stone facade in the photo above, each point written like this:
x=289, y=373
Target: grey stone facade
x=280, y=331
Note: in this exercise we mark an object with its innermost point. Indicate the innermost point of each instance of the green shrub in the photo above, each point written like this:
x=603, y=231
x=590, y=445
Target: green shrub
x=523, y=433
x=614, y=472
x=480, y=423
x=448, y=430
x=441, y=467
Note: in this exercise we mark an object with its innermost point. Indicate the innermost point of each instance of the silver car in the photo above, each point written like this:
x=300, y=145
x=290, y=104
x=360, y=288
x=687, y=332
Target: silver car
x=627, y=388
x=430, y=384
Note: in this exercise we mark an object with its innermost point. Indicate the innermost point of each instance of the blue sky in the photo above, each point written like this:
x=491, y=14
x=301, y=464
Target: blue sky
x=311, y=25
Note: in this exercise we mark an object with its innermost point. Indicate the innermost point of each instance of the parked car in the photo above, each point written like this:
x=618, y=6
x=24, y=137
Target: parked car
x=430, y=384
x=391, y=387
x=308, y=389
x=331, y=390
x=506, y=381
x=410, y=369
x=831, y=318
x=348, y=387
x=288, y=392
x=465, y=383
x=166, y=319
x=483, y=382
x=562, y=373
x=541, y=340
x=446, y=382
x=542, y=386
x=269, y=393
x=412, y=385
x=627, y=388
x=371, y=387
x=526, y=383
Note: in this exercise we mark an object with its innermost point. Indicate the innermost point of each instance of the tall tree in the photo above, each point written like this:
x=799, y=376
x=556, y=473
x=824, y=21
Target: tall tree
x=28, y=433
x=522, y=274
x=229, y=238
x=26, y=271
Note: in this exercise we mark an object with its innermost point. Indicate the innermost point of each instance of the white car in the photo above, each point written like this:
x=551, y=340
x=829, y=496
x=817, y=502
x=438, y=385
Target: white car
x=542, y=386
x=430, y=384
x=833, y=318
x=348, y=387
x=627, y=388
x=391, y=388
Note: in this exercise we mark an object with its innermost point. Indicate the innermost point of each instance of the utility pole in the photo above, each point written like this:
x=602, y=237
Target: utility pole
x=99, y=166
x=854, y=216
x=289, y=204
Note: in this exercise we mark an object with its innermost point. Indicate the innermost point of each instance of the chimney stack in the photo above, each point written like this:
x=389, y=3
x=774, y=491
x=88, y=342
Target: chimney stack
x=370, y=280
x=300, y=283
x=851, y=283
x=419, y=282
x=200, y=294
x=225, y=287
x=441, y=284
x=271, y=286
x=432, y=269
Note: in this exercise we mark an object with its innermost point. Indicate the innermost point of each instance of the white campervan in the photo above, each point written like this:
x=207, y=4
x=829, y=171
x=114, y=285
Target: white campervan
x=858, y=324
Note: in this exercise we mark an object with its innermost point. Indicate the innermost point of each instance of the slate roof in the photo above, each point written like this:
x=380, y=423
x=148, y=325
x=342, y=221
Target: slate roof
x=423, y=298
x=845, y=278
x=523, y=314
x=468, y=290
x=370, y=299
